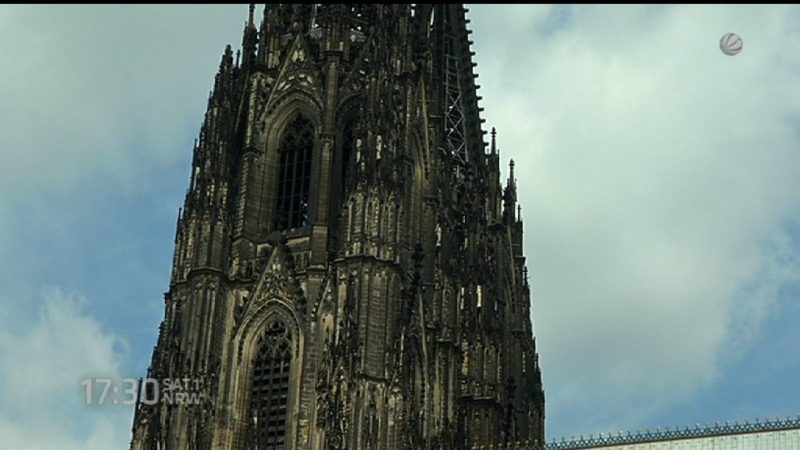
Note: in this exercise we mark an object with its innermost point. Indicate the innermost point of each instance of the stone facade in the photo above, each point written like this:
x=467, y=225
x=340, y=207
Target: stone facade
x=348, y=268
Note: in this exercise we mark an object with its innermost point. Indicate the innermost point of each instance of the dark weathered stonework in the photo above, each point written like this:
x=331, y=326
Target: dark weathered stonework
x=402, y=299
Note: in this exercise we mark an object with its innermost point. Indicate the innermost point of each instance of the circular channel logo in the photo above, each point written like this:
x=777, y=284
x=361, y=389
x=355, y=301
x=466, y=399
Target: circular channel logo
x=730, y=44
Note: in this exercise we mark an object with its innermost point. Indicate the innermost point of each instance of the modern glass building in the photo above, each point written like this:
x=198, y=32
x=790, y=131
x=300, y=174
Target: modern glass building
x=770, y=434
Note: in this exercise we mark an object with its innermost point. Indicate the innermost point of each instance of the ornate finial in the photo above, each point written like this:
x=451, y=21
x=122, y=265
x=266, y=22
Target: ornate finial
x=519, y=212
x=250, y=21
x=494, y=141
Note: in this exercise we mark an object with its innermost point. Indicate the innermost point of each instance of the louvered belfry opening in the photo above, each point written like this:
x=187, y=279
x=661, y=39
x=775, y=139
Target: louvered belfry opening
x=294, y=173
x=269, y=396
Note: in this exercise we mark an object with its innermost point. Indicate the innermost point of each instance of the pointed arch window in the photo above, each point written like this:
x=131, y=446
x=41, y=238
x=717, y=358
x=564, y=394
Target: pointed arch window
x=294, y=173
x=269, y=393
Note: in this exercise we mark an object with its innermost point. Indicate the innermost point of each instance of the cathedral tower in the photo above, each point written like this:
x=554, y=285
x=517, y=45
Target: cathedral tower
x=348, y=269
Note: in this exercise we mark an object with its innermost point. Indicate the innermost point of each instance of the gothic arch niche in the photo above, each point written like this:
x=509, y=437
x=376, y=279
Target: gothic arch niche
x=343, y=169
x=269, y=387
x=276, y=122
x=295, y=150
x=266, y=377
x=348, y=156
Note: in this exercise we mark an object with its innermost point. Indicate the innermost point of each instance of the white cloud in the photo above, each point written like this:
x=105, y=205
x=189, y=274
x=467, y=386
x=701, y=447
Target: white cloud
x=94, y=98
x=658, y=177
x=99, y=93
x=42, y=367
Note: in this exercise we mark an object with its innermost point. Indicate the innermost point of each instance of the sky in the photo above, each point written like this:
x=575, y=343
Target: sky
x=658, y=180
